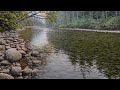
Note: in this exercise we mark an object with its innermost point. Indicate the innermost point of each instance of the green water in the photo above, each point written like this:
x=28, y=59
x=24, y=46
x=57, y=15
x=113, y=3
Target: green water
x=84, y=54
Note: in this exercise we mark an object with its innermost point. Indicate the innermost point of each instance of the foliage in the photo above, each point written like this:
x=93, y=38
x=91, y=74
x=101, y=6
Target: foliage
x=87, y=19
x=8, y=19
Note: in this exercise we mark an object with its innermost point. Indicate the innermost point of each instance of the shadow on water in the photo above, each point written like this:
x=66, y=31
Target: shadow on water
x=76, y=54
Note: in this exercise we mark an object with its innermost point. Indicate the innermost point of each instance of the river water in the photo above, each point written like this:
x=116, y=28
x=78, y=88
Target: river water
x=76, y=54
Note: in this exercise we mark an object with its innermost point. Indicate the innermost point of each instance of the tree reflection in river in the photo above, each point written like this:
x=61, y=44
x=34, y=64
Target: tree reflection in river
x=84, y=48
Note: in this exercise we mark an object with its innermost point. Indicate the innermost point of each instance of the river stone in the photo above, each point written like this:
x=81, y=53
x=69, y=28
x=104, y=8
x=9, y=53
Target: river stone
x=35, y=72
x=22, y=52
x=1, y=54
x=5, y=76
x=36, y=62
x=34, y=53
x=27, y=71
x=13, y=55
x=2, y=41
x=23, y=48
x=8, y=41
x=20, y=77
x=7, y=47
x=5, y=71
x=4, y=62
x=16, y=70
x=1, y=47
x=1, y=58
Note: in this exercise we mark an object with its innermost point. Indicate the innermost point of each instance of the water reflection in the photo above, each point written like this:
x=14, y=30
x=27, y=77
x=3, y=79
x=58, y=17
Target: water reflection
x=39, y=37
x=75, y=54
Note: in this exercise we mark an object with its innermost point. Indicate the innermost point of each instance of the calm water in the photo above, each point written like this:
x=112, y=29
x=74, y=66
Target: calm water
x=76, y=54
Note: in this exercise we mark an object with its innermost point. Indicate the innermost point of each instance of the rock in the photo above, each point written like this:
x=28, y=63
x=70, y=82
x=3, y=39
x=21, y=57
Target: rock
x=13, y=46
x=2, y=41
x=35, y=72
x=17, y=64
x=10, y=38
x=22, y=52
x=1, y=58
x=5, y=76
x=13, y=55
x=18, y=47
x=34, y=53
x=8, y=41
x=20, y=77
x=5, y=71
x=27, y=71
x=4, y=62
x=1, y=47
x=36, y=62
x=23, y=48
x=16, y=70
x=7, y=47
x=7, y=44
x=1, y=54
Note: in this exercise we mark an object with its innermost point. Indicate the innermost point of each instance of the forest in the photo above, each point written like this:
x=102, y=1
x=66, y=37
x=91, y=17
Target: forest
x=109, y=20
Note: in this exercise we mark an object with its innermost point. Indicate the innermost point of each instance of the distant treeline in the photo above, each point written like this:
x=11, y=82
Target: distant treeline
x=85, y=19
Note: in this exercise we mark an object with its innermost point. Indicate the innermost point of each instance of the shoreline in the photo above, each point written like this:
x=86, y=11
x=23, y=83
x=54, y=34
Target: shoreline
x=17, y=59
x=91, y=30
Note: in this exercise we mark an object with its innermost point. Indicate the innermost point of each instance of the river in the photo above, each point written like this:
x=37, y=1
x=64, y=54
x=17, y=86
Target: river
x=76, y=54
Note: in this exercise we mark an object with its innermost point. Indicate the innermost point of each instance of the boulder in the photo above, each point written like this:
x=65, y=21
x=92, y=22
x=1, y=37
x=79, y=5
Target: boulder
x=5, y=76
x=13, y=55
x=16, y=70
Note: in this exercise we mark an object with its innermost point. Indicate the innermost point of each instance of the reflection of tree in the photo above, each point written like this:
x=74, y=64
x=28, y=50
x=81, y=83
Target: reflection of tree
x=83, y=47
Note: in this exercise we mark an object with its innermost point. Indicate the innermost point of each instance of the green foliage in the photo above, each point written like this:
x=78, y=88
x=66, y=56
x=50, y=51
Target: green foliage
x=8, y=19
x=51, y=17
x=86, y=19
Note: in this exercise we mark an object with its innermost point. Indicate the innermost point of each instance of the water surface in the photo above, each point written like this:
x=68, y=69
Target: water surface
x=77, y=54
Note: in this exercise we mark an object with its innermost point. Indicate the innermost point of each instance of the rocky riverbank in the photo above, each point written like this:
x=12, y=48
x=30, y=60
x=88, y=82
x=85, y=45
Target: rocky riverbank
x=17, y=59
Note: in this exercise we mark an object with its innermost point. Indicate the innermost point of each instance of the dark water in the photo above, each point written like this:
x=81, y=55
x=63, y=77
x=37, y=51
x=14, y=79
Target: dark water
x=76, y=54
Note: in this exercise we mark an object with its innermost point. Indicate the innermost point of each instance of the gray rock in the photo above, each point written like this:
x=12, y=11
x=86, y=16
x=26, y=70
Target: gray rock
x=5, y=71
x=1, y=58
x=7, y=47
x=35, y=72
x=17, y=64
x=10, y=38
x=13, y=55
x=22, y=52
x=20, y=77
x=36, y=62
x=23, y=48
x=2, y=41
x=27, y=71
x=34, y=53
x=8, y=41
x=1, y=47
x=5, y=76
x=5, y=62
x=16, y=70
x=1, y=53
